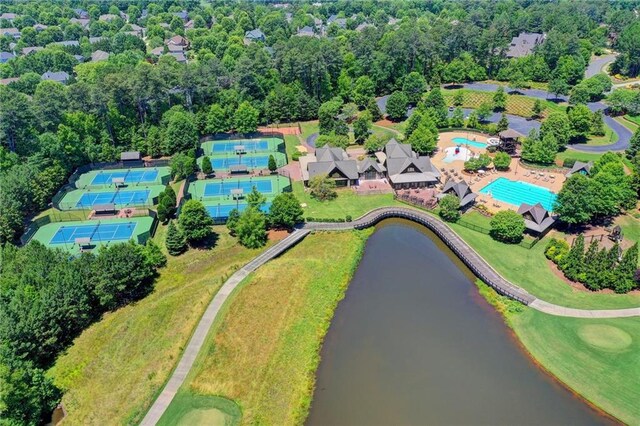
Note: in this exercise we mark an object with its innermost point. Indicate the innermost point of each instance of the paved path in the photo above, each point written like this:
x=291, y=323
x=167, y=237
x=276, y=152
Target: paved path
x=468, y=255
x=597, y=64
x=197, y=340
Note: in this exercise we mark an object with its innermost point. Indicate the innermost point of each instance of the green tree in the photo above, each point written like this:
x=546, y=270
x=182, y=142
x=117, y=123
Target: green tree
x=256, y=199
x=573, y=265
x=166, y=208
x=216, y=120
x=580, y=118
x=363, y=90
x=559, y=126
x=507, y=226
x=597, y=125
x=457, y=119
x=483, y=111
x=245, y=119
x=436, y=106
x=121, y=274
x=625, y=272
x=182, y=165
x=285, y=211
x=634, y=145
x=372, y=107
x=180, y=131
x=273, y=166
x=414, y=86
x=251, y=228
x=575, y=202
x=591, y=268
x=175, y=241
x=499, y=99
x=412, y=123
x=502, y=160
x=194, y=221
x=207, y=169
x=458, y=98
x=472, y=121
x=537, y=109
x=362, y=127
x=374, y=143
x=425, y=138
x=232, y=221
x=454, y=72
x=328, y=115
x=503, y=123
x=322, y=188
x=397, y=106
x=559, y=86
x=449, y=208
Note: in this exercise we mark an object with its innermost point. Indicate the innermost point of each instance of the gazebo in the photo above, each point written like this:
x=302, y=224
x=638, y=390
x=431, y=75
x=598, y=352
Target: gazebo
x=509, y=139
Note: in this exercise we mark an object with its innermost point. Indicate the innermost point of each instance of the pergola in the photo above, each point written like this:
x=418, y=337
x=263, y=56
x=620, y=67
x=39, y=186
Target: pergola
x=509, y=139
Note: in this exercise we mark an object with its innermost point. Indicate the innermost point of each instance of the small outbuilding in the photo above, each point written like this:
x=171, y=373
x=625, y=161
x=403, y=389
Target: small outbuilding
x=131, y=158
x=580, y=167
x=509, y=139
x=460, y=189
x=105, y=209
x=536, y=218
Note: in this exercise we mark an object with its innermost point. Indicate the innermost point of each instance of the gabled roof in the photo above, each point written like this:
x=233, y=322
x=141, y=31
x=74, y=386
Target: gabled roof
x=157, y=51
x=60, y=76
x=83, y=22
x=8, y=16
x=369, y=163
x=40, y=27
x=183, y=14
x=364, y=25
x=510, y=134
x=327, y=153
x=6, y=56
x=536, y=217
x=175, y=48
x=93, y=40
x=580, y=167
x=27, y=50
x=347, y=168
x=108, y=17
x=177, y=40
x=11, y=32
x=523, y=44
x=393, y=149
x=99, y=55
x=66, y=43
x=306, y=32
x=180, y=56
x=460, y=189
x=256, y=34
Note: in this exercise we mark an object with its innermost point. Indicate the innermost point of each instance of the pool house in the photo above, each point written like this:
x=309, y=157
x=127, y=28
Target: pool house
x=405, y=168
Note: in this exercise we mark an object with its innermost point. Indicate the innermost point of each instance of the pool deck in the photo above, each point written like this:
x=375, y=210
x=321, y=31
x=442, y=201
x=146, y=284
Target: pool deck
x=477, y=181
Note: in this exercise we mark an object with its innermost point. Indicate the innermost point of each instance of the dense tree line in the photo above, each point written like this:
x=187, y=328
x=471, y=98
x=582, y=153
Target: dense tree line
x=46, y=299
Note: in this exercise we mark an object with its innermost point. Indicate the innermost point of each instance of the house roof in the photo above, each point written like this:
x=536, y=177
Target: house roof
x=99, y=55
x=130, y=155
x=27, y=50
x=66, y=43
x=93, y=40
x=183, y=14
x=177, y=40
x=523, y=44
x=5, y=56
x=460, y=189
x=40, y=27
x=393, y=149
x=5, y=81
x=175, y=48
x=256, y=34
x=83, y=22
x=8, y=16
x=12, y=32
x=180, y=56
x=510, y=134
x=364, y=25
x=157, y=51
x=580, y=167
x=60, y=76
x=306, y=31
x=107, y=17
x=347, y=168
x=368, y=163
x=327, y=153
x=536, y=217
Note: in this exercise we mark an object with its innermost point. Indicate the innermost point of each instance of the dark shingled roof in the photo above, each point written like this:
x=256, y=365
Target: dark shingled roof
x=510, y=134
x=580, y=167
x=130, y=155
x=460, y=189
x=536, y=217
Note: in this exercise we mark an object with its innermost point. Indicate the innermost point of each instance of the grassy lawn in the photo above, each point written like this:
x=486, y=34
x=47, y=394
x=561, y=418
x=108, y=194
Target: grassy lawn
x=347, y=203
x=264, y=353
x=189, y=409
x=290, y=143
x=609, y=137
x=597, y=358
x=308, y=128
x=630, y=227
x=116, y=367
x=631, y=121
x=578, y=155
x=516, y=104
x=529, y=269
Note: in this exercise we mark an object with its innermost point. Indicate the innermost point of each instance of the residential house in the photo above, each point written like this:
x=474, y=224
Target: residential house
x=83, y=22
x=175, y=48
x=6, y=57
x=79, y=58
x=189, y=25
x=180, y=56
x=536, y=218
x=10, y=32
x=107, y=17
x=66, y=43
x=524, y=44
x=340, y=22
x=460, y=189
x=60, y=76
x=363, y=26
x=306, y=32
x=8, y=16
x=177, y=40
x=81, y=14
x=137, y=30
x=580, y=167
x=99, y=55
x=332, y=162
x=183, y=14
x=30, y=50
x=157, y=51
x=7, y=81
x=253, y=36
x=94, y=40
x=369, y=169
x=40, y=27
x=405, y=168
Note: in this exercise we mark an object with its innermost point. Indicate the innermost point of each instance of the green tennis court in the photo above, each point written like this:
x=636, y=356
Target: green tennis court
x=63, y=234
x=260, y=161
x=223, y=189
x=130, y=177
x=244, y=145
x=134, y=196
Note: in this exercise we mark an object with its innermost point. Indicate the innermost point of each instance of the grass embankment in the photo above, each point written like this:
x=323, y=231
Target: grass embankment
x=347, y=203
x=529, y=269
x=596, y=358
x=577, y=155
x=516, y=104
x=634, y=119
x=264, y=352
x=116, y=367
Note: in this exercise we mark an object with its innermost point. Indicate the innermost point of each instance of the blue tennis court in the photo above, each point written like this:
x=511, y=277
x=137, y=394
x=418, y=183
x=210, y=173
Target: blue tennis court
x=124, y=198
x=97, y=232
x=219, y=147
x=129, y=176
x=224, y=188
x=261, y=161
x=222, y=211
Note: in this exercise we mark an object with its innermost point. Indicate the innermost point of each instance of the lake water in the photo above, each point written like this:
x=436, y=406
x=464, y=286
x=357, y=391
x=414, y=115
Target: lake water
x=414, y=343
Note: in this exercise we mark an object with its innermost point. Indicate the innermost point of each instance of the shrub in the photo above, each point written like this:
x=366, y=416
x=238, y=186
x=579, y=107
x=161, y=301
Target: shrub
x=568, y=162
x=322, y=188
x=251, y=228
x=507, y=226
x=477, y=163
x=194, y=221
x=449, y=208
x=502, y=160
x=296, y=155
x=175, y=241
x=285, y=211
x=348, y=218
x=556, y=250
x=206, y=166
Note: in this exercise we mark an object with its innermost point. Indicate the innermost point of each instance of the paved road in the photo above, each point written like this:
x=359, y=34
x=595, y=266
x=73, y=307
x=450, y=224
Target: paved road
x=597, y=64
x=467, y=254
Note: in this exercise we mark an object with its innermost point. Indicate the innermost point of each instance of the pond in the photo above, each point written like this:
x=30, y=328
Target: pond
x=414, y=343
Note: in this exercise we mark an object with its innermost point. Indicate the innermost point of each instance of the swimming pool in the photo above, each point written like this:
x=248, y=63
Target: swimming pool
x=518, y=192
x=465, y=141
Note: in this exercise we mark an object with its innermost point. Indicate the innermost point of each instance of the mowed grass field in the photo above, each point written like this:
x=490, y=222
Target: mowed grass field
x=116, y=367
x=529, y=269
x=264, y=353
x=597, y=358
x=347, y=203
x=516, y=104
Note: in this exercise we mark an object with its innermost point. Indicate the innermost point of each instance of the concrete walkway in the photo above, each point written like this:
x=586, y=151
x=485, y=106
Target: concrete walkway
x=194, y=346
x=466, y=253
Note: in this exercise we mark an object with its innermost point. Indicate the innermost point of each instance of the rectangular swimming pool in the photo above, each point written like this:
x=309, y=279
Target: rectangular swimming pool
x=518, y=192
x=121, y=198
x=221, y=211
x=129, y=176
x=261, y=161
x=97, y=232
x=249, y=146
x=465, y=141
